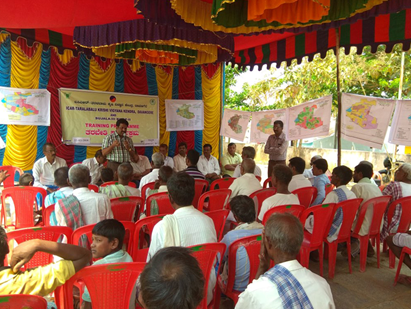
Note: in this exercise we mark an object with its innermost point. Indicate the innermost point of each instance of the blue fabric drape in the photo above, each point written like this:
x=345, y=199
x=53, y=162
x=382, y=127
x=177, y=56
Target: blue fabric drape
x=5, y=69
x=198, y=135
x=119, y=81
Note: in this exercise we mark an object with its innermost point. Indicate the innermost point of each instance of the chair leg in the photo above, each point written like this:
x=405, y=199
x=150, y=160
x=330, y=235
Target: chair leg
x=378, y=247
x=399, y=267
x=217, y=296
x=363, y=252
x=321, y=255
x=349, y=255
x=332, y=258
x=391, y=259
x=304, y=257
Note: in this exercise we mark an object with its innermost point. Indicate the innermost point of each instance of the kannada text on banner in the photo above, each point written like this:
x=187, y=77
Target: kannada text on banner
x=88, y=116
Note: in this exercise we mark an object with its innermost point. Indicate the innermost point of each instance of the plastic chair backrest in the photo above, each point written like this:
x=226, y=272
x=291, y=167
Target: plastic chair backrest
x=252, y=244
x=260, y=195
x=379, y=205
x=109, y=285
x=143, y=227
x=405, y=220
x=219, y=218
x=200, y=187
x=93, y=187
x=328, y=188
x=46, y=212
x=217, y=199
x=322, y=214
x=267, y=182
x=223, y=183
x=109, y=183
x=258, y=177
x=295, y=210
x=349, y=209
x=50, y=233
x=124, y=208
x=150, y=186
x=306, y=195
x=12, y=170
x=206, y=255
x=23, y=198
x=18, y=301
x=381, y=187
x=163, y=203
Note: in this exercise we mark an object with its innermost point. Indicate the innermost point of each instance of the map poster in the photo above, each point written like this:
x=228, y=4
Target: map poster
x=400, y=133
x=24, y=106
x=310, y=119
x=262, y=124
x=184, y=115
x=234, y=124
x=365, y=120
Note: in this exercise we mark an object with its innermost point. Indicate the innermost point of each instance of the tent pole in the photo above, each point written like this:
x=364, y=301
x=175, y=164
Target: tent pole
x=400, y=95
x=337, y=55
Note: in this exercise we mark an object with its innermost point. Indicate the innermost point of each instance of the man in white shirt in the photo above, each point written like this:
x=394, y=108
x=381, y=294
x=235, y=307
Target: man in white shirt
x=157, y=161
x=121, y=188
x=94, y=207
x=95, y=165
x=44, y=168
x=208, y=164
x=247, y=183
x=248, y=152
x=141, y=166
x=180, y=158
x=168, y=161
x=187, y=226
x=298, y=181
x=276, y=287
x=281, y=178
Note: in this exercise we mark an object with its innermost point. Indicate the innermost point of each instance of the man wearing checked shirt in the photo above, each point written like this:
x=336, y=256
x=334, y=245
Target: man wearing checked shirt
x=117, y=147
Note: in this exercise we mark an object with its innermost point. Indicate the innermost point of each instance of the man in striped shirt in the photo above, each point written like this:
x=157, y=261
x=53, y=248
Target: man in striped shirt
x=191, y=161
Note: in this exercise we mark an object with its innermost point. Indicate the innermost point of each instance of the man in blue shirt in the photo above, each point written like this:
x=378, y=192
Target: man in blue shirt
x=320, y=166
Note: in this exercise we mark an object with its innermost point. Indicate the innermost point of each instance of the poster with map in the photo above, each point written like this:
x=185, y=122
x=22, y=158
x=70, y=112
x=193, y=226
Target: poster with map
x=400, y=133
x=234, y=124
x=310, y=119
x=24, y=106
x=184, y=115
x=365, y=120
x=262, y=124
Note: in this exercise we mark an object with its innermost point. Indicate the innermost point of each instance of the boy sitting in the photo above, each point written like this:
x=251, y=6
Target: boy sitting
x=108, y=236
x=320, y=167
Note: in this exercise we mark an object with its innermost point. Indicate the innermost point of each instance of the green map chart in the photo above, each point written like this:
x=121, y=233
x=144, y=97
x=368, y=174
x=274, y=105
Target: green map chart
x=306, y=118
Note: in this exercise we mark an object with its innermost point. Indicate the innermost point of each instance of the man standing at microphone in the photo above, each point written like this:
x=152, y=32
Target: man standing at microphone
x=117, y=147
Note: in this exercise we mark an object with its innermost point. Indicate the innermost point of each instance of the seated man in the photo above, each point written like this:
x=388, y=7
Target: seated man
x=41, y=280
x=121, y=188
x=247, y=183
x=84, y=206
x=287, y=284
x=396, y=243
x=208, y=164
x=157, y=161
x=308, y=173
x=230, y=160
x=298, y=181
x=44, y=168
x=160, y=186
x=107, y=175
x=244, y=213
x=247, y=153
x=141, y=166
x=191, y=161
x=372, y=168
x=180, y=159
x=281, y=178
x=95, y=165
x=107, y=246
x=320, y=166
x=187, y=226
x=168, y=161
x=172, y=279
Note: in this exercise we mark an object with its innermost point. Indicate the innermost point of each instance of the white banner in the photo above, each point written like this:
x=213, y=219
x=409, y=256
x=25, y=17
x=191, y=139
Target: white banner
x=401, y=124
x=262, y=124
x=24, y=106
x=234, y=124
x=365, y=120
x=310, y=119
x=184, y=115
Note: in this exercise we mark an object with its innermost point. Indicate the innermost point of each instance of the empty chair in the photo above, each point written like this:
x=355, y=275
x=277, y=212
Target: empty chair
x=223, y=183
x=267, y=182
x=219, y=218
x=22, y=301
x=162, y=202
x=200, y=187
x=12, y=170
x=295, y=210
x=306, y=195
x=217, y=199
x=125, y=208
x=142, y=234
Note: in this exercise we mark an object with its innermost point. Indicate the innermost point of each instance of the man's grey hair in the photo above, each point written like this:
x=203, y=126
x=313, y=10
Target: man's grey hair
x=79, y=175
x=125, y=171
x=316, y=157
x=406, y=167
x=248, y=165
x=158, y=159
x=249, y=152
x=285, y=233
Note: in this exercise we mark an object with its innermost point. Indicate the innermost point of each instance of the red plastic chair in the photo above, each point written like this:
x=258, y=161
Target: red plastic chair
x=314, y=241
x=328, y=188
x=93, y=187
x=405, y=250
x=109, y=285
x=150, y=186
x=126, y=208
x=349, y=209
x=46, y=213
x=50, y=233
x=381, y=187
x=20, y=301
x=206, y=255
x=12, y=170
x=109, y=183
x=219, y=218
x=267, y=182
x=405, y=221
x=258, y=177
x=163, y=204
x=200, y=187
x=223, y=183
x=295, y=210
x=260, y=195
x=306, y=195
x=143, y=227
x=379, y=205
x=217, y=199
x=252, y=244
x=23, y=198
